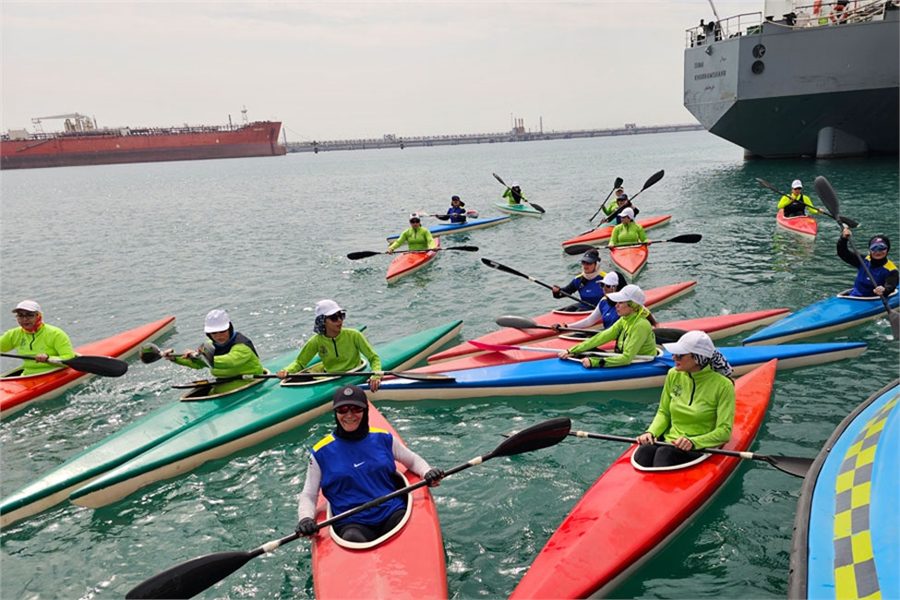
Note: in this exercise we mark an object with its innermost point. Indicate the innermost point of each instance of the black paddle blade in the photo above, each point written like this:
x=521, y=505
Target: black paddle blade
x=829, y=198
x=687, y=238
x=667, y=335
x=894, y=319
x=768, y=185
x=618, y=183
x=98, y=365
x=516, y=322
x=150, y=353
x=363, y=254
x=653, y=179
x=792, y=465
x=537, y=207
x=851, y=223
x=192, y=577
x=541, y=435
x=497, y=177
x=463, y=248
x=578, y=249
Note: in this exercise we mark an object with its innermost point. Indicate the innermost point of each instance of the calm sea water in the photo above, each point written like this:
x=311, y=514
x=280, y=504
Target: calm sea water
x=108, y=248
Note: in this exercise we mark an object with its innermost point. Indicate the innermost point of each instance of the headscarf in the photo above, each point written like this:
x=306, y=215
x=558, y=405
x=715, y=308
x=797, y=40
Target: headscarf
x=356, y=435
x=717, y=362
x=319, y=325
x=38, y=322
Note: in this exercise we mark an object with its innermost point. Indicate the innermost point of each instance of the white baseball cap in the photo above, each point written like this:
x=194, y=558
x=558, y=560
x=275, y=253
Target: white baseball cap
x=628, y=212
x=797, y=184
x=327, y=308
x=693, y=342
x=414, y=216
x=217, y=320
x=515, y=184
x=611, y=278
x=29, y=305
x=629, y=293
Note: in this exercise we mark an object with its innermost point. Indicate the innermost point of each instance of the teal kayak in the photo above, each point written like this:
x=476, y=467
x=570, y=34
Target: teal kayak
x=523, y=210
x=277, y=409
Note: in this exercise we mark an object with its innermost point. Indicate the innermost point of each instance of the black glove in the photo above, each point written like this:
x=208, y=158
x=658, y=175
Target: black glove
x=556, y=295
x=433, y=476
x=306, y=526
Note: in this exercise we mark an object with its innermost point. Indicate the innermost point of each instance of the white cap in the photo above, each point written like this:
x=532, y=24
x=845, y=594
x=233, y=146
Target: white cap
x=629, y=293
x=29, y=305
x=217, y=320
x=797, y=184
x=327, y=308
x=414, y=216
x=693, y=342
x=628, y=212
x=515, y=184
x=611, y=278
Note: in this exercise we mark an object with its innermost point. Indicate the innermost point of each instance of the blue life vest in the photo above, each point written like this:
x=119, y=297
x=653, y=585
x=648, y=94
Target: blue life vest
x=589, y=291
x=457, y=214
x=862, y=286
x=608, y=312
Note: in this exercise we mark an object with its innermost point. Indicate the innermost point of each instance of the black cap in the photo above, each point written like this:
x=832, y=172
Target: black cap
x=349, y=394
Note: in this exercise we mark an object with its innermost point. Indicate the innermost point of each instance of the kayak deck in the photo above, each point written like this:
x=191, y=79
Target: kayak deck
x=600, y=235
x=803, y=225
x=406, y=264
x=630, y=259
x=524, y=210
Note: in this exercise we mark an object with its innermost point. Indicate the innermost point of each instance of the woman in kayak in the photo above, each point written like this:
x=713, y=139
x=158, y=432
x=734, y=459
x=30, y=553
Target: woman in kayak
x=416, y=237
x=228, y=353
x=883, y=269
x=632, y=332
x=796, y=204
x=514, y=194
x=606, y=309
x=34, y=338
x=457, y=210
x=621, y=201
x=339, y=348
x=587, y=284
x=696, y=408
x=627, y=232
x=353, y=465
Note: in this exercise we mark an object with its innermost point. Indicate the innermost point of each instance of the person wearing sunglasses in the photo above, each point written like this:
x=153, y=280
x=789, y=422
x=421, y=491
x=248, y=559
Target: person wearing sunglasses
x=620, y=201
x=605, y=311
x=228, y=353
x=627, y=231
x=339, y=348
x=33, y=337
x=587, y=284
x=796, y=203
x=696, y=408
x=457, y=210
x=353, y=465
x=418, y=238
x=883, y=269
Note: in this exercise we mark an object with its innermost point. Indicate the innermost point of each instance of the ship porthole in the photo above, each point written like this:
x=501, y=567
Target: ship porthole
x=758, y=67
x=759, y=51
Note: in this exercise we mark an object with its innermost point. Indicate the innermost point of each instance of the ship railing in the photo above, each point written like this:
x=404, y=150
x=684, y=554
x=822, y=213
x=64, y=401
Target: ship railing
x=714, y=31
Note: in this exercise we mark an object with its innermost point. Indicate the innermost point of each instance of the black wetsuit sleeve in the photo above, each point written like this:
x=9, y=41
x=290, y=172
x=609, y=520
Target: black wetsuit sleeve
x=845, y=254
x=890, y=283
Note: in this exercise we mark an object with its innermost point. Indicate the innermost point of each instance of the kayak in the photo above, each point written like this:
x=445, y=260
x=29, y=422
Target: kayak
x=219, y=390
x=407, y=565
x=627, y=515
x=847, y=524
x=630, y=259
x=718, y=327
x=802, y=225
x=522, y=210
x=18, y=392
x=655, y=297
x=552, y=376
x=599, y=236
x=831, y=314
x=470, y=225
x=410, y=262
x=245, y=424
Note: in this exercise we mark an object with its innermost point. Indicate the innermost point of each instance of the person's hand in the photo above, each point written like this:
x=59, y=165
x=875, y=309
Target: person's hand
x=645, y=439
x=168, y=354
x=390, y=250
x=683, y=443
x=306, y=526
x=586, y=363
x=374, y=382
x=189, y=354
x=879, y=291
x=557, y=327
x=846, y=232
x=564, y=354
x=433, y=477
x=555, y=290
x=41, y=358
x=282, y=374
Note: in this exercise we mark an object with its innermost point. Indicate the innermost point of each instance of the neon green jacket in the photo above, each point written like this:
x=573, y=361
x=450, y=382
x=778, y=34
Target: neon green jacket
x=240, y=360
x=808, y=205
x=627, y=233
x=633, y=335
x=341, y=353
x=698, y=406
x=510, y=199
x=417, y=239
x=48, y=340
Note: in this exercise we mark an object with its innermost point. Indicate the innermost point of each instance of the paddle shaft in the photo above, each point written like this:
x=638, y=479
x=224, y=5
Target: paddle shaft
x=616, y=184
x=495, y=265
x=650, y=181
x=368, y=253
x=537, y=207
x=307, y=376
x=95, y=365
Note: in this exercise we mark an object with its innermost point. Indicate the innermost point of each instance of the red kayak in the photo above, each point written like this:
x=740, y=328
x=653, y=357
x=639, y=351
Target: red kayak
x=717, y=327
x=628, y=515
x=17, y=392
x=655, y=297
x=802, y=225
x=599, y=236
x=410, y=262
x=630, y=259
x=407, y=565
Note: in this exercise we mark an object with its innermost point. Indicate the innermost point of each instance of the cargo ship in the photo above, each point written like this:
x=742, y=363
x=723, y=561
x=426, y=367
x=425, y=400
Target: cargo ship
x=83, y=143
x=801, y=79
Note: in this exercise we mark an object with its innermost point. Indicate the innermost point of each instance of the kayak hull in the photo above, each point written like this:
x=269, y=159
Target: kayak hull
x=409, y=263
x=804, y=225
x=600, y=236
x=630, y=259
x=521, y=210
x=631, y=514
x=409, y=565
x=18, y=392
x=470, y=225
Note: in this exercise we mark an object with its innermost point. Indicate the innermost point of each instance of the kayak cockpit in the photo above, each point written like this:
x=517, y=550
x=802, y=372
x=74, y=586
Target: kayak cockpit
x=400, y=481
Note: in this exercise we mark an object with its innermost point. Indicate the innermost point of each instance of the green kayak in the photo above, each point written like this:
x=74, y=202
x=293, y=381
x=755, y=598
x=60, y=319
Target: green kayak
x=525, y=210
x=276, y=410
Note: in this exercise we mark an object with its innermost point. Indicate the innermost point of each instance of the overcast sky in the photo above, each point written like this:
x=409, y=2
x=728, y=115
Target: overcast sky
x=332, y=70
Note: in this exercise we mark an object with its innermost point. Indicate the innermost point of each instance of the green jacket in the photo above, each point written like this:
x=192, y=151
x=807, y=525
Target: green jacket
x=240, y=360
x=624, y=234
x=48, y=340
x=808, y=205
x=417, y=239
x=633, y=335
x=510, y=199
x=698, y=406
x=341, y=353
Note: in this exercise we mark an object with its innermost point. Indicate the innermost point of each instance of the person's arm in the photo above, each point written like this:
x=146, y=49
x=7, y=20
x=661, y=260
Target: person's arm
x=662, y=419
x=614, y=238
x=784, y=202
x=399, y=241
x=589, y=321
x=599, y=339
x=239, y=356
x=724, y=420
x=809, y=206
x=193, y=363
x=847, y=255
x=429, y=239
x=409, y=459
x=642, y=233
x=636, y=339
x=307, y=352
x=61, y=345
x=306, y=506
x=8, y=340
x=366, y=349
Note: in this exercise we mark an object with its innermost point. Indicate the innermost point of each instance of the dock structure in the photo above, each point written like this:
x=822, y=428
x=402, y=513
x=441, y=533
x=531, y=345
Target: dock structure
x=517, y=134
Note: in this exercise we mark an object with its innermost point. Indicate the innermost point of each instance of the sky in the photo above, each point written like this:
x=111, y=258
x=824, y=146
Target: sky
x=346, y=70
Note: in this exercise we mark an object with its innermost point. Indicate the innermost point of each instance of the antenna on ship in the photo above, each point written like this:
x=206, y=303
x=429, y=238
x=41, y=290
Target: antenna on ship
x=244, y=118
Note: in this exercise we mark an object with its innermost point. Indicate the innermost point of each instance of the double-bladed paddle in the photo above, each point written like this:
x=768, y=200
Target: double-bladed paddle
x=792, y=465
x=445, y=217
x=852, y=223
x=663, y=334
x=616, y=185
x=650, y=181
x=827, y=195
x=192, y=577
x=589, y=353
x=150, y=353
x=96, y=365
x=368, y=253
x=495, y=265
x=294, y=377
x=537, y=207
x=687, y=238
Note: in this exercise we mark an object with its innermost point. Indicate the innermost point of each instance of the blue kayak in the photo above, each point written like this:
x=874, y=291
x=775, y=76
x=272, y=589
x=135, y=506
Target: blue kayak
x=553, y=376
x=847, y=525
x=470, y=225
x=825, y=316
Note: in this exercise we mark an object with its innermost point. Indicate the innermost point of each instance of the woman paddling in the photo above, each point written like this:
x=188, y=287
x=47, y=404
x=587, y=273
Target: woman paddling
x=353, y=465
x=457, y=210
x=605, y=310
x=587, y=284
x=621, y=201
x=229, y=354
x=627, y=231
x=796, y=203
x=339, y=348
x=514, y=194
x=883, y=269
x=416, y=237
x=696, y=408
x=32, y=337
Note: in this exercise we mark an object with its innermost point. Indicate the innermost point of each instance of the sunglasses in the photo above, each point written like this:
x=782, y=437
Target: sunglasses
x=878, y=248
x=348, y=408
x=25, y=315
x=679, y=356
x=338, y=316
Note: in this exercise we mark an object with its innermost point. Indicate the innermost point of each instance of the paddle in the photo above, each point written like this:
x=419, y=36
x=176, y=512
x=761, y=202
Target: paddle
x=96, y=365
x=853, y=224
x=307, y=376
x=792, y=465
x=601, y=353
x=827, y=195
x=663, y=334
x=495, y=265
x=150, y=353
x=192, y=577
x=650, y=181
x=368, y=253
x=445, y=217
x=687, y=238
x=616, y=184
x=537, y=207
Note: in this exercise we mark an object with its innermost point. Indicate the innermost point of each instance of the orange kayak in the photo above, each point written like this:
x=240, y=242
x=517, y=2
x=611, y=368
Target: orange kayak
x=599, y=236
x=410, y=262
x=630, y=259
x=802, y=225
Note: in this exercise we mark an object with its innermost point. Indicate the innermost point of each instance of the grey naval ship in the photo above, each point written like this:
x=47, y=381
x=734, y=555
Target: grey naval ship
x=799, y=80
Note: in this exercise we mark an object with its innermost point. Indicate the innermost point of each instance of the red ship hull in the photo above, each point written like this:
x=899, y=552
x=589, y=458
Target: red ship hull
x=144, y=145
